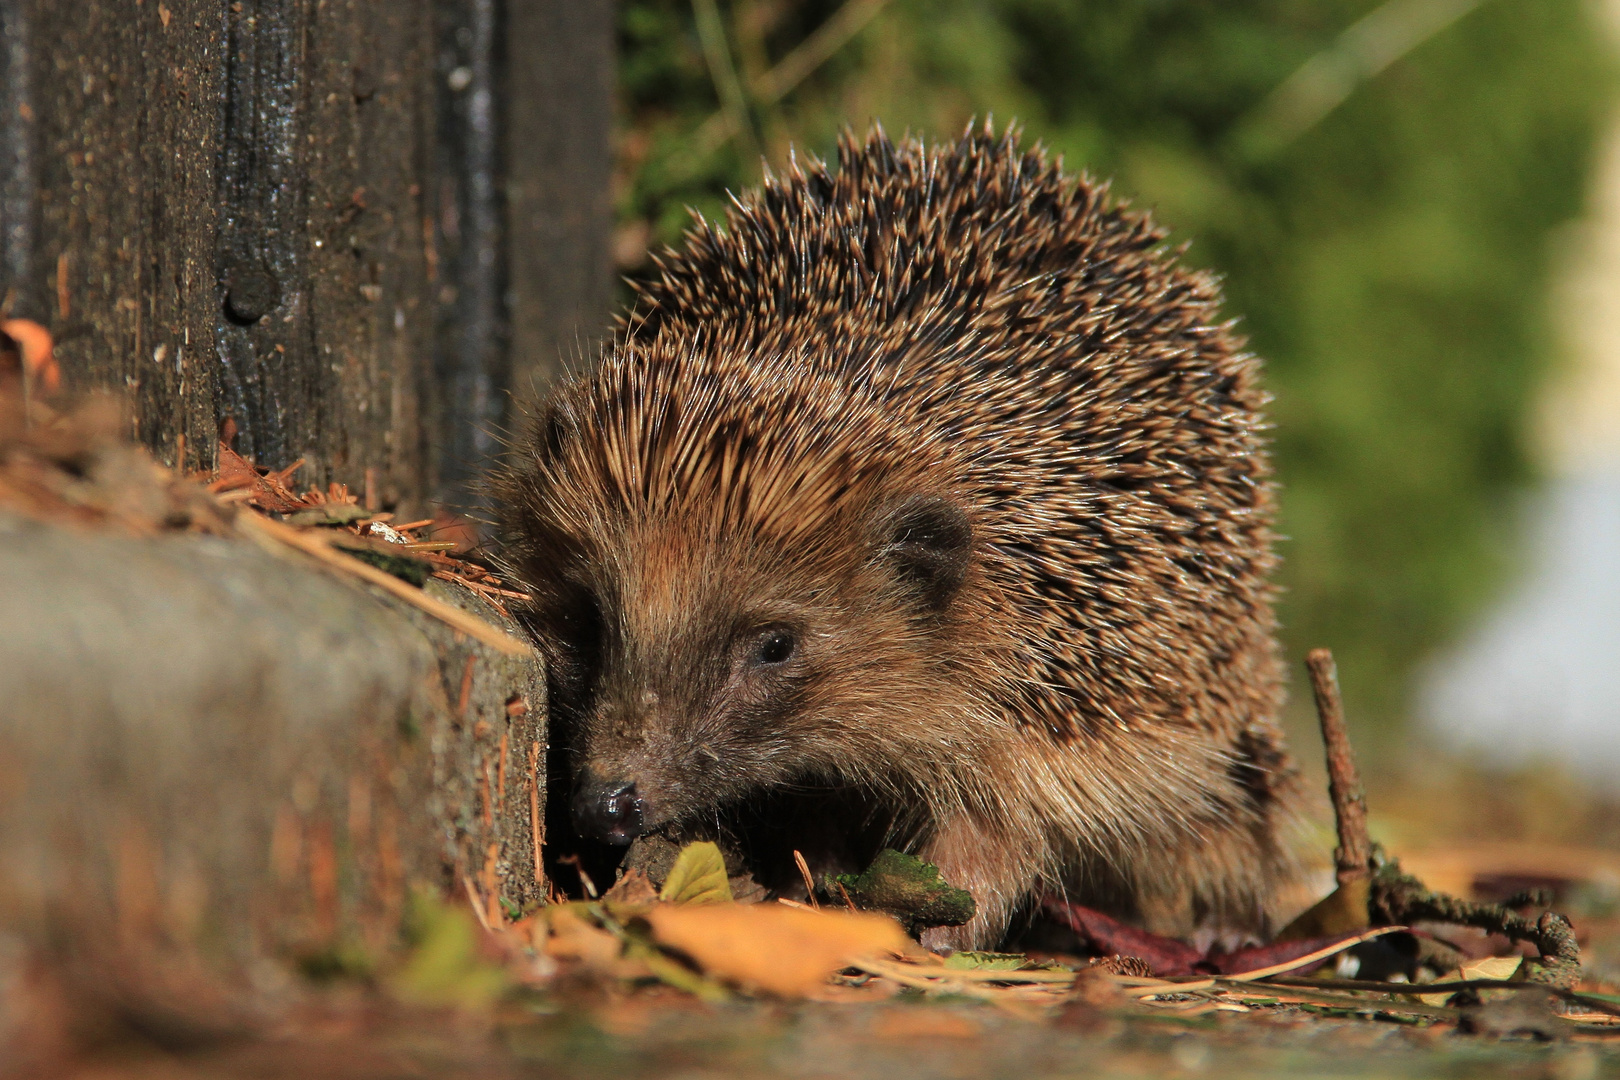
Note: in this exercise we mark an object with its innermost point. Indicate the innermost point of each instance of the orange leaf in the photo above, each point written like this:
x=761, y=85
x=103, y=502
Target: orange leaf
x=34, y=342
x=234, y=470
x=269, y=491
x=785, y=951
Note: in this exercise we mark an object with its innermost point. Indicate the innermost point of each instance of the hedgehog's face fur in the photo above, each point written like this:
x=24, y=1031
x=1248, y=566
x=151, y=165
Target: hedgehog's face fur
x=698, y=655
x=698, y=673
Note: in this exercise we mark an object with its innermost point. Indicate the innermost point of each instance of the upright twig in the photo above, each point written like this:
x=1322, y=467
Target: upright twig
x=1323, y=83
x=1397, y=899
x=1353, y=857
x=775, y=84
x=717, y=54
x=809, y=882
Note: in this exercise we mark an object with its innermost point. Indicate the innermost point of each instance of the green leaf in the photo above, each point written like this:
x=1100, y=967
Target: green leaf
x=698, y=877
x=968, y=960
x=445, y=967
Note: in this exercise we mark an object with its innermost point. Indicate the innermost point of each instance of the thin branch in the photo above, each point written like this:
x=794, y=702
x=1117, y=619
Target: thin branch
x=815, y=50
x=1586, y=1001
x=1326, y=80
x=717, y=53
x=1353, y=859
x=771, y=87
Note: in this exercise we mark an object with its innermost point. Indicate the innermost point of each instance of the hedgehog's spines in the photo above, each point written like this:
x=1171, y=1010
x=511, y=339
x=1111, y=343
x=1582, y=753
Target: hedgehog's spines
x=967, y=323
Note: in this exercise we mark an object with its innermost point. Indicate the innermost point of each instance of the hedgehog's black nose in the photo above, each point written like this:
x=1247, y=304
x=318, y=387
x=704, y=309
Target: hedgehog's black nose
x=609, y=811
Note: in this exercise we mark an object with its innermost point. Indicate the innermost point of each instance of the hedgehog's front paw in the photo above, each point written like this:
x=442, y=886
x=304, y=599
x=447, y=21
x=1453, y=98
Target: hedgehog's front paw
x=976, y=859
x=948, y=939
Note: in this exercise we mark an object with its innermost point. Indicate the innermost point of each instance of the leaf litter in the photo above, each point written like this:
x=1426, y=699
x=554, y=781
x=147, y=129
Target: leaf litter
x=76, y=468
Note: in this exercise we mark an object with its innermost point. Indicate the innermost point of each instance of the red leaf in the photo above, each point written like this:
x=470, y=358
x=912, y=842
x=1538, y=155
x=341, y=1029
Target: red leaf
x=269, y=490
x=1110, y=937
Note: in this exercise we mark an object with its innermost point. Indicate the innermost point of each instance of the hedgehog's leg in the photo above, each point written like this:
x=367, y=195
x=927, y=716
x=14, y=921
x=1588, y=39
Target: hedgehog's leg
x=973, y=856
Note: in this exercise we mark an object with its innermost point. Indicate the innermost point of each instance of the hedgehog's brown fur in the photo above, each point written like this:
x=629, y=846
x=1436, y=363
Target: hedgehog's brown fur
x=963, y=427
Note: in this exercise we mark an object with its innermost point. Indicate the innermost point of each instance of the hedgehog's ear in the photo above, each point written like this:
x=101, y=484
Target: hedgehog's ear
x=927, y=541
x=549, y=432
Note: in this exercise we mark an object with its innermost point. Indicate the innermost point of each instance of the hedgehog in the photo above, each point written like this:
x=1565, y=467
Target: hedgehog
x=934, y=485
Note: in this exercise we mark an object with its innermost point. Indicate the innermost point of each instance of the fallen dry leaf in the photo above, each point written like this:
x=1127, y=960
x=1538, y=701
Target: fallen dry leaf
x=782, y=950
x=1168, y=957
x=269, y=489
x=1110, y=937
x=1342, y=911
x=698, y=876
x=34, y=347
x=565, y=934
x=1491, y=967
x=633, y=888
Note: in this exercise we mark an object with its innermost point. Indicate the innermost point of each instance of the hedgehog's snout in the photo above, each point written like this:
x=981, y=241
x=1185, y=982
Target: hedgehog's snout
x=607, y=810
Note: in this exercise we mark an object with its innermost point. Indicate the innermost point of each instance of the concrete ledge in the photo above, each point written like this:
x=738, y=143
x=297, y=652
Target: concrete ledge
x=212, y=750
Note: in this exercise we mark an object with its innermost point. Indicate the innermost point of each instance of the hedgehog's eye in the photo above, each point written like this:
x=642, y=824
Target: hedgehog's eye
x=776, y=646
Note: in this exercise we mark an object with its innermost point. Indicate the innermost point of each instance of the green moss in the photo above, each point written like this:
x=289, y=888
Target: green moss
x=906, y=887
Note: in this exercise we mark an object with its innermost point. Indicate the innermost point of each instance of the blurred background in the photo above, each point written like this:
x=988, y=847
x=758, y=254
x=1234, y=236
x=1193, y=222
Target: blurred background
x=1415, y=205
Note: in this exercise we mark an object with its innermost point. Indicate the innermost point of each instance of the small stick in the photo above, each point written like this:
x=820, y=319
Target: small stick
x=584, y=878
x=1353, y=857
x=466, y=687
x=845, y=894
x=500, y=774
x=809, y=883
x=1596, y=1004
x=321, y=549
x=480, y=909
x=1312, y=957
x=537, y=832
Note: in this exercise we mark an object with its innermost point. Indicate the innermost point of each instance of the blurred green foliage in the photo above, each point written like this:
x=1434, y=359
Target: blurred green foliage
x=449, y=964
x=1389, y=254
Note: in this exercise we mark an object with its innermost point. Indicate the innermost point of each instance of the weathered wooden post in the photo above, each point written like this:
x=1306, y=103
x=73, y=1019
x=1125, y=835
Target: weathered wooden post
x=354, y=228
x=351, y=226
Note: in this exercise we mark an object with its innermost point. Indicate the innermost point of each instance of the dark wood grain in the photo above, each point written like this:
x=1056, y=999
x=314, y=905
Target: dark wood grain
x=331, y=221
